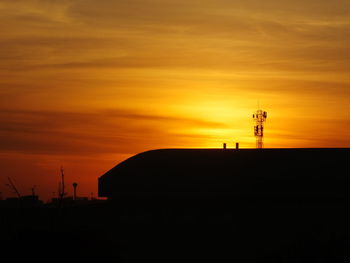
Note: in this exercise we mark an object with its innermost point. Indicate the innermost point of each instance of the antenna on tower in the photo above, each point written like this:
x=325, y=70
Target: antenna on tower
x=259, y=117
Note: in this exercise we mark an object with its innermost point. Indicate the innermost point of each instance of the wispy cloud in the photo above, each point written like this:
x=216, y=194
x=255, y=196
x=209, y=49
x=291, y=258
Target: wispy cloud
x=228, y=35
x=105, y=131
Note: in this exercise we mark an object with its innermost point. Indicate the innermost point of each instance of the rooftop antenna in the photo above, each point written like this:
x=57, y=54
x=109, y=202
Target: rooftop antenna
x=75, y=185
x=33, y=190
x=259, y=117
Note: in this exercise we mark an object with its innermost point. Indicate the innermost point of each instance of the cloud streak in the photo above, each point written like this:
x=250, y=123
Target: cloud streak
x=132, y=34
x=106, y=131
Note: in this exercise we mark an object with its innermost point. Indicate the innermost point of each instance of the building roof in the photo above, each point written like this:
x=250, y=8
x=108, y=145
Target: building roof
x=230, y=172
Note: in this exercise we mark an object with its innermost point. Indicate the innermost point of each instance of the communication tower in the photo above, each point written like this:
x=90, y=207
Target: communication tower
x=259, y=117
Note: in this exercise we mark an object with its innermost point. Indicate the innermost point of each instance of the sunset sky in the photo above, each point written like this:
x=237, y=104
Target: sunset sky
x=88, y=83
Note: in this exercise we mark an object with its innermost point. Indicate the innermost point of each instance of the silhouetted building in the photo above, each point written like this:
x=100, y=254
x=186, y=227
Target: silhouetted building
x=174, y=174
x=23, y=201
x=65, y=200
x=70, y=200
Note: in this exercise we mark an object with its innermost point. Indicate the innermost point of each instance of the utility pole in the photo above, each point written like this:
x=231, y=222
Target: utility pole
x=61, y=185
x=75, y=185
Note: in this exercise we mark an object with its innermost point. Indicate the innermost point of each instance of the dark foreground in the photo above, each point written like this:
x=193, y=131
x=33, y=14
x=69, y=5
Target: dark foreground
x=242, y=231
x=200, y=205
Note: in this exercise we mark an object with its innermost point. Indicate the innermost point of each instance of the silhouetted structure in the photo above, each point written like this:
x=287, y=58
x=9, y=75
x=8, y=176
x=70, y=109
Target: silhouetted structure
x=75, y=185
x=200, y=205
x=33, y=190
x=260, y=119
x=12, y=186
x=27, y=201
x=175, y=174
x=69, y=200
x=61, y=186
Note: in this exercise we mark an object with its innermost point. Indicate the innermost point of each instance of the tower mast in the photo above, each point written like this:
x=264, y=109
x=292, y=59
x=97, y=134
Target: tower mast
x=62, y=185
x=259, y=117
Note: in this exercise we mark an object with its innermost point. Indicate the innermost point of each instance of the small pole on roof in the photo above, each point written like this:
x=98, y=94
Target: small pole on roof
x=75, y=185
x=237, y=145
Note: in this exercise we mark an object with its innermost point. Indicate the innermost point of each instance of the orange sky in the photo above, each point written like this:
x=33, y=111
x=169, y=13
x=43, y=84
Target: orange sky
x=87, y=83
